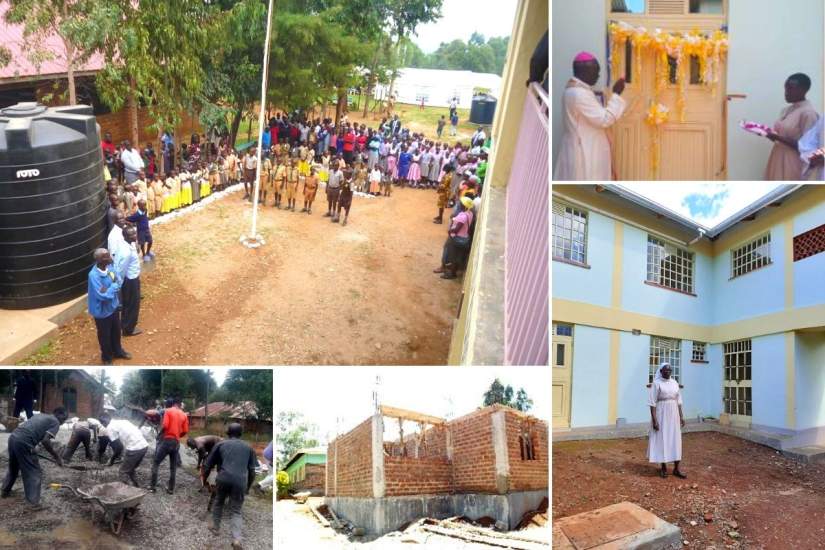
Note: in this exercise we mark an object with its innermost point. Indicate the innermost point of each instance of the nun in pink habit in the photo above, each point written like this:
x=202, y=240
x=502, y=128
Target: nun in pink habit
x=585, y=153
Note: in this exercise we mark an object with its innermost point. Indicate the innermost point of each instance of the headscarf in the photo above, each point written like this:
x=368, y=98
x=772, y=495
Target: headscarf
x=659, y=371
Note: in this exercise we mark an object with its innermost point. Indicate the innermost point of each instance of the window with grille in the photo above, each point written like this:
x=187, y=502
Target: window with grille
x=750, y=256
x=737, y=398
x=665, y=350
x=669, y=266
x=699, y=352
x=569, y=233
x=562, y=329
x=809, y=243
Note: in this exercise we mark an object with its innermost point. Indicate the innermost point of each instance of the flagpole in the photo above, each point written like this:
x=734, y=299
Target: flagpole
x=254, y=240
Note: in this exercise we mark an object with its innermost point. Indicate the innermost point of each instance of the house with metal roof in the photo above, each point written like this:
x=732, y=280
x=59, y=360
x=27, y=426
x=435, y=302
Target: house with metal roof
x=738, y=310
x=306, y=469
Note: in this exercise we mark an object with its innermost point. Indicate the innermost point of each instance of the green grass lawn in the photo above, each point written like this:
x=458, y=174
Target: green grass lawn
x=419, y=120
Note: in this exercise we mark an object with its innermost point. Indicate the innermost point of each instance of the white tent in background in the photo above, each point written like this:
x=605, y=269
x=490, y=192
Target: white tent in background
x=438, y=87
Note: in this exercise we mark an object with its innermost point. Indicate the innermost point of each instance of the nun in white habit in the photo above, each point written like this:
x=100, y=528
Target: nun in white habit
x=665, y=439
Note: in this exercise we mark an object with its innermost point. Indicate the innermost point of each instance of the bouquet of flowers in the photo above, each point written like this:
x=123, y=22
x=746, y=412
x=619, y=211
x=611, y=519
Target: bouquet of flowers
x=755, y=128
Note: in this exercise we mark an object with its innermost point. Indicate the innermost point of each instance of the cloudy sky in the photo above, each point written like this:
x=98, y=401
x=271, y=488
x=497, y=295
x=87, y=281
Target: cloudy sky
x=118, y=373
x=333, y=396
x=460, y=18
x=705, y=203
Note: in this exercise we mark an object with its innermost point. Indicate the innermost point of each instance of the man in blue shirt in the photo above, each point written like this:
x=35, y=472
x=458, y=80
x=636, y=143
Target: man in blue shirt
x=104, y=284
x=127, y=265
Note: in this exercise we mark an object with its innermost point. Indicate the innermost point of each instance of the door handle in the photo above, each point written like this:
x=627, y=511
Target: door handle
x=736, y=96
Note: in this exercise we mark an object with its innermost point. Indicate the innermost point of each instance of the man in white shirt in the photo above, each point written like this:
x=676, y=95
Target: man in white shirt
x=132, y=162
x=585, y=153
x=115, y=238
x=130, y=442
x=127, y=265
x=250, y=163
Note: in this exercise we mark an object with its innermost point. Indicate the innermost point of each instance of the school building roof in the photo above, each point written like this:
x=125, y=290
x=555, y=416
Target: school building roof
x=25, y=65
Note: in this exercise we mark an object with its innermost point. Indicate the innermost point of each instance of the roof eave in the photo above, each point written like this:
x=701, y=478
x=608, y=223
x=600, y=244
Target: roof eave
x=776, y=195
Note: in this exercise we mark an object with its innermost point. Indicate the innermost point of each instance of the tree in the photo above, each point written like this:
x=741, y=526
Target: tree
x=501, y=394
x=233, y=65
x=42, y=19
x=250, y=385
x=153, y=55
x=294, y=432
x=474, y=55
x=405, y=16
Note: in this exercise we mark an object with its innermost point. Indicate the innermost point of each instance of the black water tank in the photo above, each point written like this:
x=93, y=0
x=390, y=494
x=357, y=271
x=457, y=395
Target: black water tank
x=483, y=109
x=52, y=203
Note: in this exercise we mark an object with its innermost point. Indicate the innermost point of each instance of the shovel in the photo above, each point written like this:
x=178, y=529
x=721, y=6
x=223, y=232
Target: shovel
x=78, y=467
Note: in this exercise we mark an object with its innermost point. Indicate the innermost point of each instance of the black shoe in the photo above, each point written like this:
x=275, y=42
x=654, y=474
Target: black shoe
x=107, y=363
x=152, y=489
x=170, y=491
x=133, y=333
x=124, y=355
x=679, y=474
x=5, y=494
x=448, y=275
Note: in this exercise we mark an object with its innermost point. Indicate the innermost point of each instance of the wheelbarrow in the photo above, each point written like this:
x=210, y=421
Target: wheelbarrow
x=117, y=500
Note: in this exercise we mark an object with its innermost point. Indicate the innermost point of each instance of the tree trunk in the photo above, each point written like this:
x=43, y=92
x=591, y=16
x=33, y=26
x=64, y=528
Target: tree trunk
x=394, y=73
x=339, y=106
x=70, y=75
x=132, y=106
x=236, y=124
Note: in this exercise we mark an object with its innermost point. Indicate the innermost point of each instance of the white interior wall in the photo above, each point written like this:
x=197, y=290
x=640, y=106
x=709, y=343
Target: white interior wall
x=769, y=41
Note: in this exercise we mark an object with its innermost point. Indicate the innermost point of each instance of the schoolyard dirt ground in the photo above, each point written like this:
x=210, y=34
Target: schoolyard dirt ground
x=161, y=521
x=752, y=496
x=316, y=293
x=298, y=528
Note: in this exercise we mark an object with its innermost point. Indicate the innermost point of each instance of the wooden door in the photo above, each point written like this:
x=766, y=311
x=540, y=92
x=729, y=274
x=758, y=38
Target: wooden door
x=690, y=150
x=562, y=352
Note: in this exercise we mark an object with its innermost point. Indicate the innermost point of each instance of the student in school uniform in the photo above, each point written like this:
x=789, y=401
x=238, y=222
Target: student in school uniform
x=310, y=190
x=292, y=175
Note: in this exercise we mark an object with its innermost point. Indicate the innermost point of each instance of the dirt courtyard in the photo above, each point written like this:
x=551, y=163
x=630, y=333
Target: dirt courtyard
x=316, y=293
x=753, y=496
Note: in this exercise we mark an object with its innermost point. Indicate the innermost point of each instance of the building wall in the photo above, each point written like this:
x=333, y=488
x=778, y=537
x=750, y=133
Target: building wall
x=352, y=452
x=591, y=360
x=474, y=461
x=810, y=379
x=577, y=26
x=592, y=285
x=313, y=480
x=404, y=475
x=89, y=403
x=733, y=298
x=527, y=475
x=768, y=381
x=807, y=273
x=650, y=300
x=768, y=42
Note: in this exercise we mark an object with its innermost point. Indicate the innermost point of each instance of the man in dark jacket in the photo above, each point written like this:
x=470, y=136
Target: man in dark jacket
x=236, y=465
x=40, y=428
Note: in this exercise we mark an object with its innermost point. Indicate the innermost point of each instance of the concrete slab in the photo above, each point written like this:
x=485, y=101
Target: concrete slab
x=814, y=454
x=623, y=526
x=23, y=332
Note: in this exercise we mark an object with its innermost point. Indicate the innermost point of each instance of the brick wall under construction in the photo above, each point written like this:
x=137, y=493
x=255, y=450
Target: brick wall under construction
x=527, y=473
x=352, y=453
x=474, y=460
x=421, y=465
